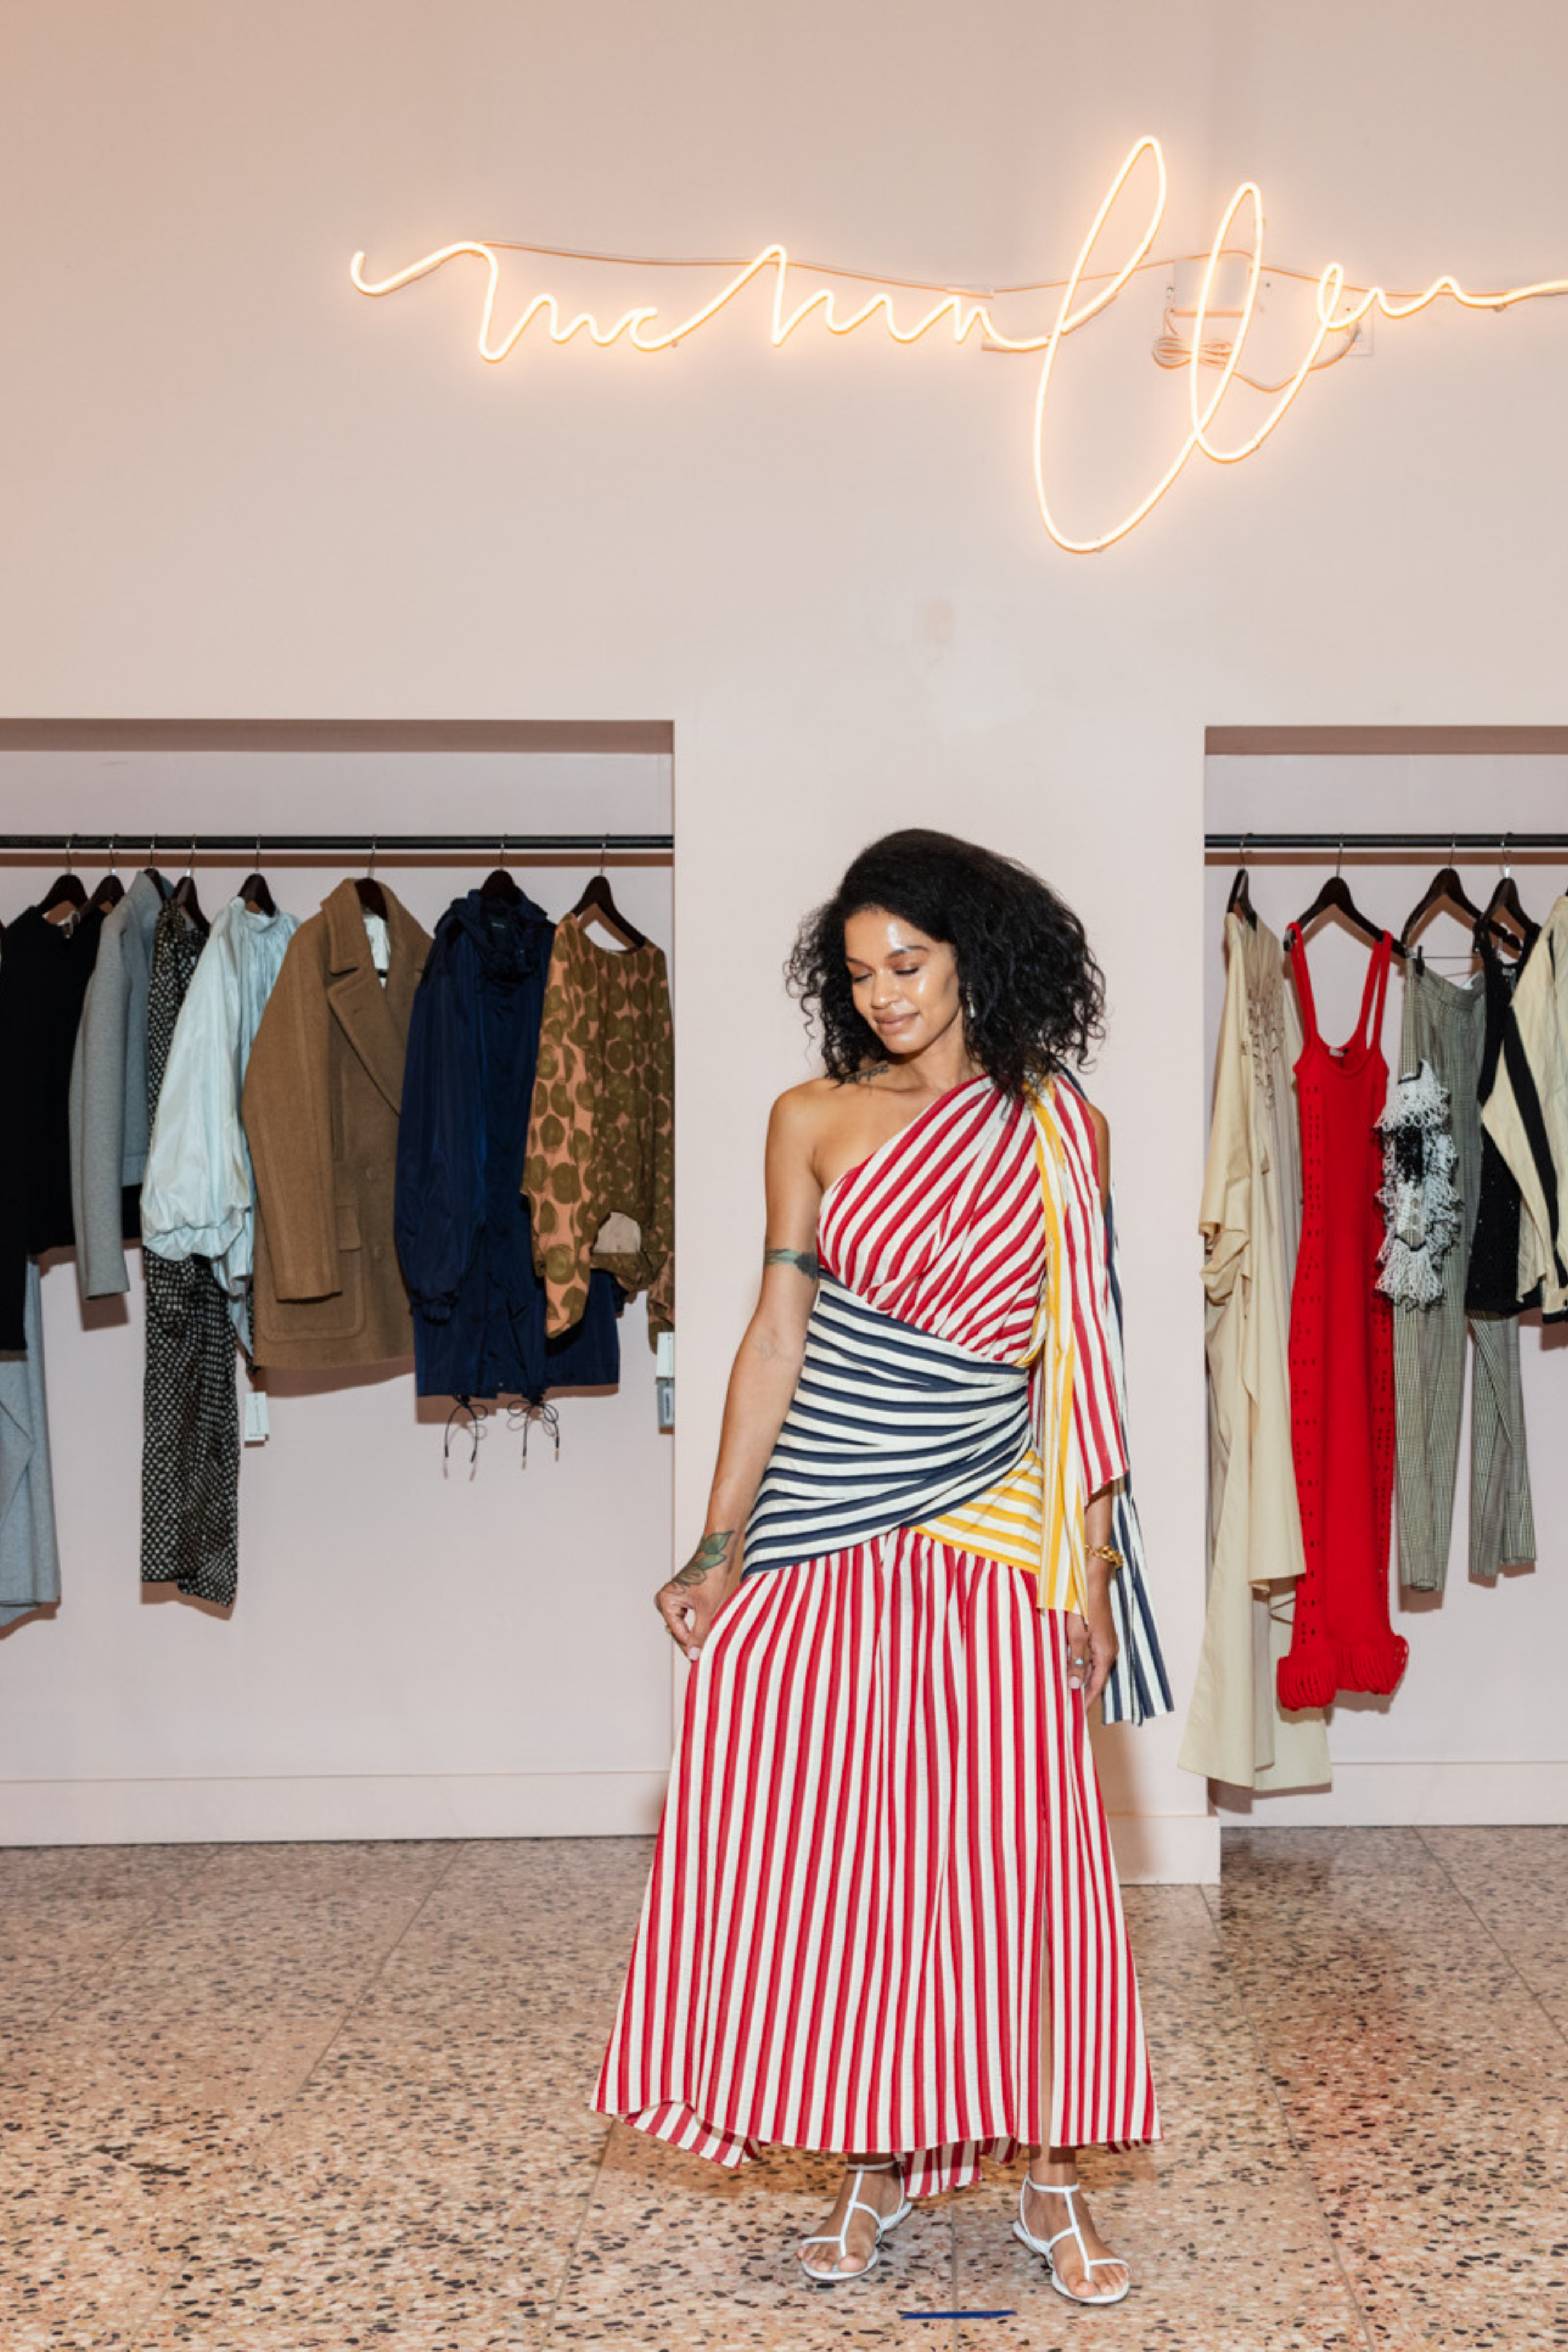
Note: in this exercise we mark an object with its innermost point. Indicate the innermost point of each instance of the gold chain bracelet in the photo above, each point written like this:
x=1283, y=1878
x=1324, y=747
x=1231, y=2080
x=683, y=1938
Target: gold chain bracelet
x=1109, y=1553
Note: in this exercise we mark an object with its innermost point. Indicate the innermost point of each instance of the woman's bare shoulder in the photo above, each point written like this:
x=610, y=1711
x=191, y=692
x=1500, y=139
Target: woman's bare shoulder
x=818, y=1099
x=799, y=1106
x=799, y=1114
x=811, y=1107
x=809, y=1121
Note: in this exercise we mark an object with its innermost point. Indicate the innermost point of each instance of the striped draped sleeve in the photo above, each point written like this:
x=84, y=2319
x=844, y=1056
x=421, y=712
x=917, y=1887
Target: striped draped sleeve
x=1096, y=1407
x=1139, y=1687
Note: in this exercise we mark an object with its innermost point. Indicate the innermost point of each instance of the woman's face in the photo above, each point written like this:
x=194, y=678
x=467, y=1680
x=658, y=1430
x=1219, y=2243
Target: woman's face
x=905, y=985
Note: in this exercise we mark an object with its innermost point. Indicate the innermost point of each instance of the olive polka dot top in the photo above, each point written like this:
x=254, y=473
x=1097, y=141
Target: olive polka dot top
x=599, y=1174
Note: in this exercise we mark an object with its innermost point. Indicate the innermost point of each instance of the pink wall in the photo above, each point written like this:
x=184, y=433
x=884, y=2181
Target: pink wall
x=233, y=485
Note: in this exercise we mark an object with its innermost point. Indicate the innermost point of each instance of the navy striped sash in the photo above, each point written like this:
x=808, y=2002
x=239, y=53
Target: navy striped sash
x=888, y=1427
x=1139, y=1687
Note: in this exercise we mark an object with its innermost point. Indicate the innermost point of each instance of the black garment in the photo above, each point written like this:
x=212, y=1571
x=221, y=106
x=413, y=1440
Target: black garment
x=43, y=974
x=1532, y=1119
x=190, y=1458
x=463, y=1223
x=1491, y=1285
x=190, y=1445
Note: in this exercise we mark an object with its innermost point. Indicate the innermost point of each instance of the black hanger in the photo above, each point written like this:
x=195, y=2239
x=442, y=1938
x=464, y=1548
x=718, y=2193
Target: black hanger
x=68, y=890
x=1240, y=900
x=254, y=889
x=1505, y=899
x=111, y=889
x=183, y=895
x=1446, y=889
x=1335, y=895
x=372, y=896
x=599, y=897
x=498, y=887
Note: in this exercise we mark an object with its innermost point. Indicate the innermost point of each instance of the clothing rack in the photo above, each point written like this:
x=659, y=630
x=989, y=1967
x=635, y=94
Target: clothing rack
x=363, y=845
x=1503, y=846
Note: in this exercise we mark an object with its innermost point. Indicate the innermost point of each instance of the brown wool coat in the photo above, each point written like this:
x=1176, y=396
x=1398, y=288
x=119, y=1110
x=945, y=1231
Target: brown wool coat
x=321, y=1104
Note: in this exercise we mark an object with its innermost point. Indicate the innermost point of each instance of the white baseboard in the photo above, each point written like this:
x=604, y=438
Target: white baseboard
x=1166, y=1849
x=1401, y=1795
x=1152, y=1849
x=390, y=1805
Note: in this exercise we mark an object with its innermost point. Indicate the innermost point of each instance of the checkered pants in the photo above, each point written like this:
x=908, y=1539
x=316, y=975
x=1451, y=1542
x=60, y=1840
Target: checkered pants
x=1445, y=1025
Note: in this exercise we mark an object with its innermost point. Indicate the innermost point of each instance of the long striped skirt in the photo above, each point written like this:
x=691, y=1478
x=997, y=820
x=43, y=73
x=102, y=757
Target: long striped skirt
x=883, y=1852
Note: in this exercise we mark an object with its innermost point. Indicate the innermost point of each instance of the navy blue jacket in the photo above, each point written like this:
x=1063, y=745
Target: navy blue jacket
x=462, y=1223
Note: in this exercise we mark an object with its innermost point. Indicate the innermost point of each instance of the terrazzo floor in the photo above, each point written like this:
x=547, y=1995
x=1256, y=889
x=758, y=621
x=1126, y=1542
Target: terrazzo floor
x=274, y=2098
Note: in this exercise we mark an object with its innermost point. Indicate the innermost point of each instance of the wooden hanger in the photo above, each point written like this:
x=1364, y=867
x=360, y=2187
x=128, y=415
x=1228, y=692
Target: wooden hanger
x=111, y=889
x=498, y=889
x=258, y=898
x=372, y=896
x=66, y=898
x=1446, y=889
x=599, y=898
x=1505, y=900
x=1335, y=897
x=183, y=895
x=1240, y=900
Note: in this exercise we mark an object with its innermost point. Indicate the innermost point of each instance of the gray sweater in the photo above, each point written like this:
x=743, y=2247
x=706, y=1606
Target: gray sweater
x=109, y=1126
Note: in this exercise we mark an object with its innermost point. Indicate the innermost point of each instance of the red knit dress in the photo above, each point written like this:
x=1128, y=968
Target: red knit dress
x=1341, y=1362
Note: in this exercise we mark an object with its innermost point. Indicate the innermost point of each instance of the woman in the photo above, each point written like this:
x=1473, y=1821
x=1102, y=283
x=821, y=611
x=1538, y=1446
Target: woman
x=883, y=1917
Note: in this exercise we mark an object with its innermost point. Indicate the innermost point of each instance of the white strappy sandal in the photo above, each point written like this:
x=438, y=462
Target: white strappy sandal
x=840, y=2238
x=1043, y=2245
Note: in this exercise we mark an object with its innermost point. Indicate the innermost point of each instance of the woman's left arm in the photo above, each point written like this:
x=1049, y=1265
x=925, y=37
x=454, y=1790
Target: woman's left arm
x=1092, y=1645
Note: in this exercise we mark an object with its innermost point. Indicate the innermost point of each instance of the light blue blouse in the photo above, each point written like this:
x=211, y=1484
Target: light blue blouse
x=198, y=1193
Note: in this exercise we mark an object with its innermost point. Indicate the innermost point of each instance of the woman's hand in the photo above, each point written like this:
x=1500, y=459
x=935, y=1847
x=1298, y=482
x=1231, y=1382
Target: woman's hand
x=695, y=1593
x=1092, y=1645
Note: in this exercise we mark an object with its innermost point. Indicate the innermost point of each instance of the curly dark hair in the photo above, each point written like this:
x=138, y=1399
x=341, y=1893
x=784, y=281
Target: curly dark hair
x=1033, y=994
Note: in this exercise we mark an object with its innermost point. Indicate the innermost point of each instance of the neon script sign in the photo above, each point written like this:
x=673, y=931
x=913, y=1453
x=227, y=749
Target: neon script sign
x=1335, y=318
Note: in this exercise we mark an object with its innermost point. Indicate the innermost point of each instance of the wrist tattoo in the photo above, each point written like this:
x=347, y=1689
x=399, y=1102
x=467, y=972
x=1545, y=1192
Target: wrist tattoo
x=711, y=1553
x=809, y=1264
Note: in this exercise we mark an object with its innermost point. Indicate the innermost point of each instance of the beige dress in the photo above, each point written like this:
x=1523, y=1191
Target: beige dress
x=1251, y=1220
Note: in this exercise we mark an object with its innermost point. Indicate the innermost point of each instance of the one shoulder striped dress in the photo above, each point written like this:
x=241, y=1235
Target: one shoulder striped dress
x=883, y=1848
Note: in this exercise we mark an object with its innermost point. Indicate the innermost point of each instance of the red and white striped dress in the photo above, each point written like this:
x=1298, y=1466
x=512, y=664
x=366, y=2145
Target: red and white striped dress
x=883, y=1845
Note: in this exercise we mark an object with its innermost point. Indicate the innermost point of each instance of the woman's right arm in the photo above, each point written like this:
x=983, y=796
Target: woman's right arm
x=763, y=1382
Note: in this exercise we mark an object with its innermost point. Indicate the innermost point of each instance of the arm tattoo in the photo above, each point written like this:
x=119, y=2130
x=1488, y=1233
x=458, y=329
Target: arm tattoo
x=711, y=1553
x=807, y=1260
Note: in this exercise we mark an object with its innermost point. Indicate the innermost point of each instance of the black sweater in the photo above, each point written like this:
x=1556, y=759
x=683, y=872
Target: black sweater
x=44, y=970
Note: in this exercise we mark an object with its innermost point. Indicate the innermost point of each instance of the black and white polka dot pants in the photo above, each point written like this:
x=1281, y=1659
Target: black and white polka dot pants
x=190, y=1457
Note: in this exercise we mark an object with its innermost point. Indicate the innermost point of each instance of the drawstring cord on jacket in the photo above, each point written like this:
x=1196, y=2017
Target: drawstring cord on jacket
x=476, y=1417
x=519, y=1416
x=525, y=1412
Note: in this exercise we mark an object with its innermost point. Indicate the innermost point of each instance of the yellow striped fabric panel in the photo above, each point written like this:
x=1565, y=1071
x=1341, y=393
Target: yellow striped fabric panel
x=1062, y=1572
x=1033, y=1520
x=1003, y=1524
x=1006, y=1524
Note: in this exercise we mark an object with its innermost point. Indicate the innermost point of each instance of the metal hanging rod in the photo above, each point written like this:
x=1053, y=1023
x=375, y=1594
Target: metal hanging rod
x=1490, y=845
x=361, y=844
